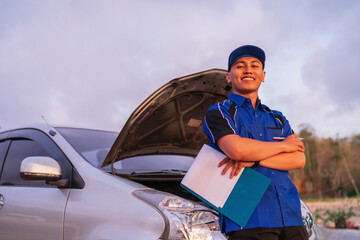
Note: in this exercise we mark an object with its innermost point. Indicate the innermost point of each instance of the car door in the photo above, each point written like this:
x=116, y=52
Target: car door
x=30, y=209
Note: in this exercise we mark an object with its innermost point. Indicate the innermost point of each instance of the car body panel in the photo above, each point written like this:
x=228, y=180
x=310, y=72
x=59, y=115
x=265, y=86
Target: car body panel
x=26, y=212
x=105, y=209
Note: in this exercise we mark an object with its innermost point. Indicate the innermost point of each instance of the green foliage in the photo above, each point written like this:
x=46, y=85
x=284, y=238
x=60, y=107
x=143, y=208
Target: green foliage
x=335, y=215
x=351, y=193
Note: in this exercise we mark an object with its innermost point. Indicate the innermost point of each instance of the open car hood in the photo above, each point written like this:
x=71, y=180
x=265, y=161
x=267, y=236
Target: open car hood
x=170, y=120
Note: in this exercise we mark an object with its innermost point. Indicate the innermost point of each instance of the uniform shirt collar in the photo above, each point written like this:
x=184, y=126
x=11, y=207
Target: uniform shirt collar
x=239, y=100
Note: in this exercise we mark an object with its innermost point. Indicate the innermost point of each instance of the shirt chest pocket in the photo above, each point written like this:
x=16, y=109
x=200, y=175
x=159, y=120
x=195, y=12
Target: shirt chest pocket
x=272, y=132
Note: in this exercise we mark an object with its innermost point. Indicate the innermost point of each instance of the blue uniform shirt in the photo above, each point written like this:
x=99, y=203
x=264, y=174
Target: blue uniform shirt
x=280, y=205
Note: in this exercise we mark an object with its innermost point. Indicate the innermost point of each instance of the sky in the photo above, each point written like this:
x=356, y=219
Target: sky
x=90, y=63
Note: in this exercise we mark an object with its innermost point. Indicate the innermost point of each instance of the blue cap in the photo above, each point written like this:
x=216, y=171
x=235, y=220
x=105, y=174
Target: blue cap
x=246, y=51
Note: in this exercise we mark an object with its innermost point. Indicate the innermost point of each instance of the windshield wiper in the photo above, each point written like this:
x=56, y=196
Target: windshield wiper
x=159, y=175
x=161, y=172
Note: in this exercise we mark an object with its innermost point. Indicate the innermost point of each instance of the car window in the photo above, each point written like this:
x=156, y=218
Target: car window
x=18, y=151
x=93, y=145
x=155, y=162
x=2, y=149
x=2, y=146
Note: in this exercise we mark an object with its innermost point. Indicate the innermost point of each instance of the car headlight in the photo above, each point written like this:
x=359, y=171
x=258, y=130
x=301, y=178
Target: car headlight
x=307, y=218
x=184, y=219
x=313, y=230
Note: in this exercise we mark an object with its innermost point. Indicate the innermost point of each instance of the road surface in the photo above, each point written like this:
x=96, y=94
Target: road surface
x=340, y=234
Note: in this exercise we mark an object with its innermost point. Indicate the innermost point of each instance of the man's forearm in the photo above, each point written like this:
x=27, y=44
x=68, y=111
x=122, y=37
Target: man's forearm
x=250, y=150
x=285, y=161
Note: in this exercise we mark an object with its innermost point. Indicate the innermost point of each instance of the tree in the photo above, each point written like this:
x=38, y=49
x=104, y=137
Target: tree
x=332, y=166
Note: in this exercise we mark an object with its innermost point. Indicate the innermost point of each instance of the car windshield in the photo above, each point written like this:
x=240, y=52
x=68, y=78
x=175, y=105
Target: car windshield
x=94, y=145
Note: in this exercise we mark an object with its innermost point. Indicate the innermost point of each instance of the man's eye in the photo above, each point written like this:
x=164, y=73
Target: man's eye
x=239, y=66
x=255, y=66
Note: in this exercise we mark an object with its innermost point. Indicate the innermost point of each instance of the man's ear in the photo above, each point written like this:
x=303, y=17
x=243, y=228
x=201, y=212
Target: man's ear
x=228, y=77
x=264, y=77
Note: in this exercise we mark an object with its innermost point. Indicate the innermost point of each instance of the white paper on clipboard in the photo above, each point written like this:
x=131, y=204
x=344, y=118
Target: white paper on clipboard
x=204, y=177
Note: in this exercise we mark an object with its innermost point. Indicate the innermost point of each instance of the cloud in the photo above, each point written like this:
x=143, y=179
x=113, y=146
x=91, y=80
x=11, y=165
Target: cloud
x=90, y=63
x=316, y=64
x=335, y=66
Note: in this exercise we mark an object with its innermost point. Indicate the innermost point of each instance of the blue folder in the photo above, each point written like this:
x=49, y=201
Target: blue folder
x=244, y=197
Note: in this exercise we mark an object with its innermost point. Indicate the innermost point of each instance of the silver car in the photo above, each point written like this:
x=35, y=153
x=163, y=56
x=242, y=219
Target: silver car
x=71, y=183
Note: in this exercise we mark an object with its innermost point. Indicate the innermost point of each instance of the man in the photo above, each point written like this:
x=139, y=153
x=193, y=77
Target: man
x=252, y=135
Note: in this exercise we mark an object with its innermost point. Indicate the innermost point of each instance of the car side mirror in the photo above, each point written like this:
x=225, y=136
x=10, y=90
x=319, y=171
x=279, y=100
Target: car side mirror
x=40, y=168
x=43, y=168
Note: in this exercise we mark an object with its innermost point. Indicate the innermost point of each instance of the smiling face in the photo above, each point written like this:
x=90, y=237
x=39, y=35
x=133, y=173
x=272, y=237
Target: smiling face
x=246, y=76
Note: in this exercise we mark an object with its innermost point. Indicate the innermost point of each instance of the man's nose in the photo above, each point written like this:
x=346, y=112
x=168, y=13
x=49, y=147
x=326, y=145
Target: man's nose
x=247, y=70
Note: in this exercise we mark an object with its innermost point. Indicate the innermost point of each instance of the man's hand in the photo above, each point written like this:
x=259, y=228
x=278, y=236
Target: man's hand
x=236, y=165
x=292, y=144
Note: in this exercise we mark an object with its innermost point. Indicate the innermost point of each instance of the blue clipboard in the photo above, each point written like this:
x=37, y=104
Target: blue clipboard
x=244, y=197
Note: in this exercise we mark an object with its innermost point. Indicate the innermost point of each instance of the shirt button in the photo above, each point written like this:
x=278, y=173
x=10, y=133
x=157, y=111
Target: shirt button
x=260, y=134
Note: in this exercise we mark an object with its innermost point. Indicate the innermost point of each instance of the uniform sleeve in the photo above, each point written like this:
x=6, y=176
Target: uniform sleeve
x=218, y=123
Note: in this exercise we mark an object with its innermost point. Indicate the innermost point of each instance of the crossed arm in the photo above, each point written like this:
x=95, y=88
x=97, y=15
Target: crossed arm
x=244, y=152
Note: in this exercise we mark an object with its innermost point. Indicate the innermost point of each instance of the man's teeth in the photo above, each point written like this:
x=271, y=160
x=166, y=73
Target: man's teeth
x=248, y=79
